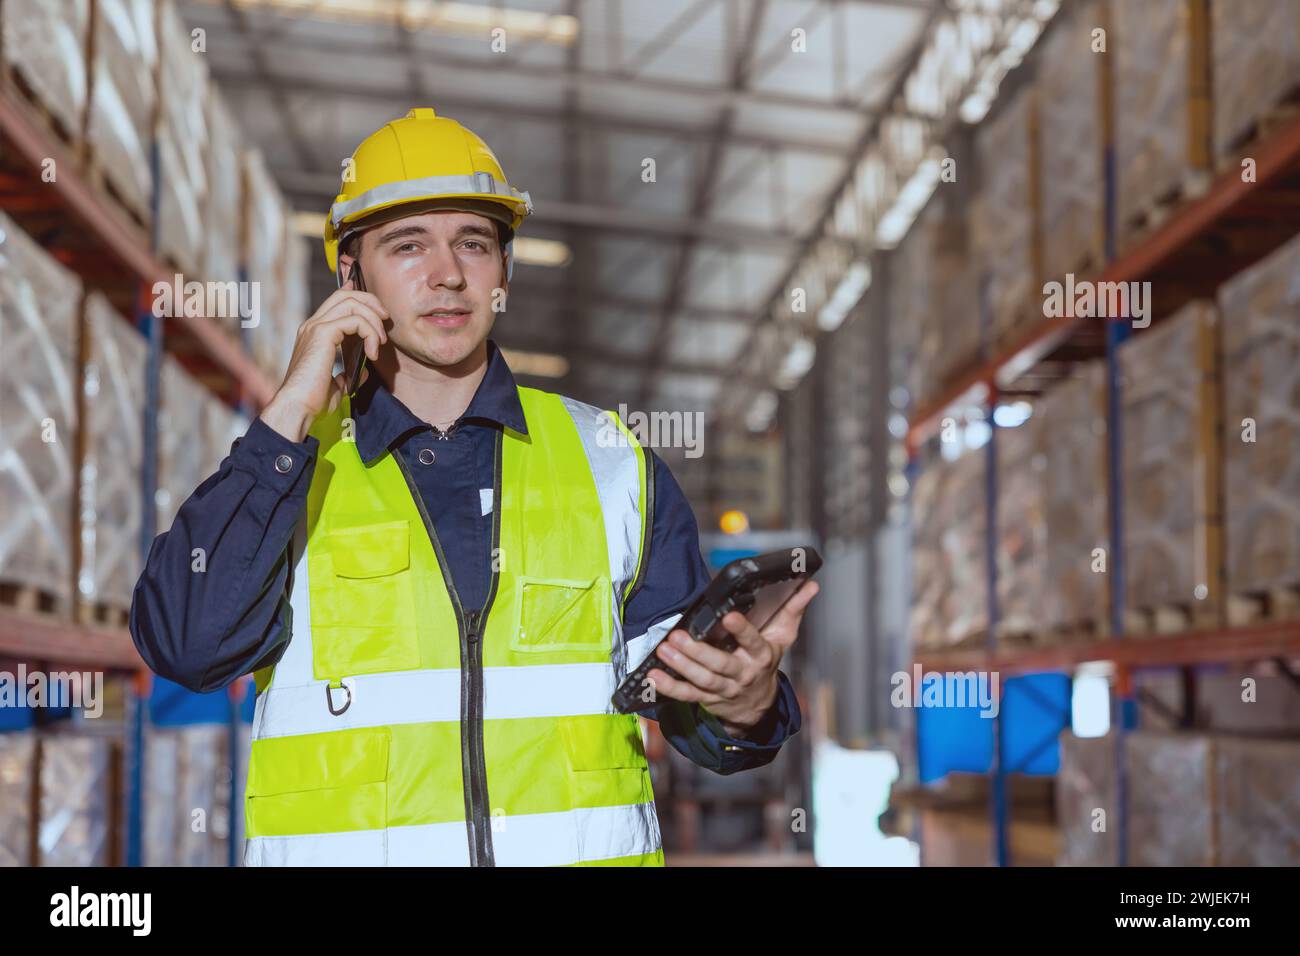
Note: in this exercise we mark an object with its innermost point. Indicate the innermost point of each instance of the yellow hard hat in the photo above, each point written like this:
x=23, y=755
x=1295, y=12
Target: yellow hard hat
x=427, y=159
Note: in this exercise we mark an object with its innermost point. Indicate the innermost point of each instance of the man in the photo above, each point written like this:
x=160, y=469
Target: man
x=439, y=580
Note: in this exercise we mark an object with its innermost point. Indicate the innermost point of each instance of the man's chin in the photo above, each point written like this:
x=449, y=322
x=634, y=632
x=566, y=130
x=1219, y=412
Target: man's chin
x=448, y=350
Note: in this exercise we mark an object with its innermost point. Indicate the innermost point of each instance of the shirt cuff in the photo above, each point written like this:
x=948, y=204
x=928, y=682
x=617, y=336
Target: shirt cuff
x=781, y=721
x=273, y=459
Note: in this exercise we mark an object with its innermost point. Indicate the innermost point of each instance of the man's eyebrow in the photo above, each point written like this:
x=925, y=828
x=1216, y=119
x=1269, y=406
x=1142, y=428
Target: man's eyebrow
x=402, y=231
x=474, y=229
x=469, y=229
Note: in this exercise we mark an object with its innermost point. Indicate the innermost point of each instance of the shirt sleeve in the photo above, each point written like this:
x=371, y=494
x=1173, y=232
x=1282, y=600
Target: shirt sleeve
x=675, y=575
x=212, y=602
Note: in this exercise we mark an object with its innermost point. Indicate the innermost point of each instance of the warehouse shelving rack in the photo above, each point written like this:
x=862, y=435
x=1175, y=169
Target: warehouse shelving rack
x=1237, y=222
x=93, y=237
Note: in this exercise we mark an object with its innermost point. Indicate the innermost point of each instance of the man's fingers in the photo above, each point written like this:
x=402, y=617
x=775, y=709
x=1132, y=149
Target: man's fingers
x=714, y=658
x=789, y=615
x=357, y=324
x=746, y=635
x=702, y=677
x=676, y=689
x=354, y=307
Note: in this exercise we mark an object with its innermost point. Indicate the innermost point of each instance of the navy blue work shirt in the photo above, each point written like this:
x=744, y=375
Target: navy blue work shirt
x=206, y=630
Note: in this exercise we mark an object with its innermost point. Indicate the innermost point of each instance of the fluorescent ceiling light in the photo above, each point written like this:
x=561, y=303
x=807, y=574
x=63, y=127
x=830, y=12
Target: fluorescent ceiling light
x=309, y=224
x=465, y=19
x=540, y=364
x=760, y=414
x=530, y=251
x=846, y=295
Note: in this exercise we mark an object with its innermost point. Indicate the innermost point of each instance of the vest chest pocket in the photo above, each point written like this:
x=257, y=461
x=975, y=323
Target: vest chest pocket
x=363, y=611
x=316, y=784
x=559, y=617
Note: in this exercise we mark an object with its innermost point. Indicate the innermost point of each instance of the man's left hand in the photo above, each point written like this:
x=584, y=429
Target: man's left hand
x=738, y=686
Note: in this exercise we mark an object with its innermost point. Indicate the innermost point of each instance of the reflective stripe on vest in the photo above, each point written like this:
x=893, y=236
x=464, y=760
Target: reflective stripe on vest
x=397, y=730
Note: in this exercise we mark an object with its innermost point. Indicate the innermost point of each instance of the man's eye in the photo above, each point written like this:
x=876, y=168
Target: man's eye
x=406, y=245
x=475, y=242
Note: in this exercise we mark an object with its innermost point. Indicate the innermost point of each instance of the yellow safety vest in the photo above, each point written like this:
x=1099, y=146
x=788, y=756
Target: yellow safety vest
x=400, y=728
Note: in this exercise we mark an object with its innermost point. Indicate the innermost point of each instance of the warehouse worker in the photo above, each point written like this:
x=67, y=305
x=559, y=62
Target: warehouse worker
x=439, y=580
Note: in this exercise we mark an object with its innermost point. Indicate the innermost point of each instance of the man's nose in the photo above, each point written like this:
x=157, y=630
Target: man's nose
x=445, y=270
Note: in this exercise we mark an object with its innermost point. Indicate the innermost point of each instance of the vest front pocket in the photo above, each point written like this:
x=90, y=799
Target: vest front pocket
x=363, y=613
x=331, y=786
x=607, y=763
x=559, y=617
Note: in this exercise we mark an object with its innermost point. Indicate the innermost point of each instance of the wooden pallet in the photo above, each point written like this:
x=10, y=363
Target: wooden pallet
x=1272, y=604
x=31, y=600
x=1263, y=129
x=1154, y=214
x=97, y=613
x=1171, y=618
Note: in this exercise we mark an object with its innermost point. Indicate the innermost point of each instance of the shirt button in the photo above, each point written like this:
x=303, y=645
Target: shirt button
x=283, y=463
x=427, y=456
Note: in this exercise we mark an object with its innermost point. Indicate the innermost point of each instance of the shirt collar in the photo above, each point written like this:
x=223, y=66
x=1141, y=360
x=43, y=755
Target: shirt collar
x=382, y=421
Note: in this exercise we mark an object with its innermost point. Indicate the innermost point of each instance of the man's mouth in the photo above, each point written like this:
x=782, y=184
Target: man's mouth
x=447, y=318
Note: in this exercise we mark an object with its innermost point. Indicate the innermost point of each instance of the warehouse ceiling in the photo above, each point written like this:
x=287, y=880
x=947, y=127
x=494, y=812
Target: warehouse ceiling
x=752, y=128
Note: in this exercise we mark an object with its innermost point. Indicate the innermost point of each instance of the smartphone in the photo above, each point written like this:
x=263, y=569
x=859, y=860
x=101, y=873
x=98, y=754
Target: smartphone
x=354, y=346
x=758, y=587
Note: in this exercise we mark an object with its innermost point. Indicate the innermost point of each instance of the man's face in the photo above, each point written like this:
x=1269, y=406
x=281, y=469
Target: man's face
x=436, y=273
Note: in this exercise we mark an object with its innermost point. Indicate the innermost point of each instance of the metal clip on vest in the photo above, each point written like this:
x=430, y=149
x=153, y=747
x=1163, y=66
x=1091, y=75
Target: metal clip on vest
x=329, y=699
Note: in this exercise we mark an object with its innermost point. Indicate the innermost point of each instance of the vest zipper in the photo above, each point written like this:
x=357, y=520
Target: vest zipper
x=470, y=626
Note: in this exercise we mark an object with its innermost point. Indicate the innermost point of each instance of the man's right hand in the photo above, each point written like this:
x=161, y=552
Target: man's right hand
x=309, y=385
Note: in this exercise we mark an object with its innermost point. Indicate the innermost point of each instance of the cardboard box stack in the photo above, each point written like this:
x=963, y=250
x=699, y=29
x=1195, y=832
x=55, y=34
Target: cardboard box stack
x=1256, y=69
x=182, y=134
x=1162, y=106
x=1261, y=441
x=40, y=302
x=111, y=473
x=949, y=605
x=1005, y=223
x=1170, y=519
x=119, y=122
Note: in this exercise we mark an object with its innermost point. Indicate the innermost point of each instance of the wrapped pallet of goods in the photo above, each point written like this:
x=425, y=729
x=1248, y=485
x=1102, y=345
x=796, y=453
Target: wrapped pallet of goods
x=114, y=389
x=1005, y=223
x=195, y=432
x=1261, y=385
x=1022, y=530
x=43, y=50
x=1256, y=70
x=187, y=795
x=119, y=126
x=17, y=779
x=1170, y=798
x=949, y=605
x=40, y=303
x=1087, y=801
x=1075, y=601
x=1162, y=109
x=265, y=229
x=296, y=303
x=224, y=201
x=1257, y=796
x=182, y=143
x=935, y=326
x=1172, y=511
x=183, y=455
x=1072, y=144
x=76, y=799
